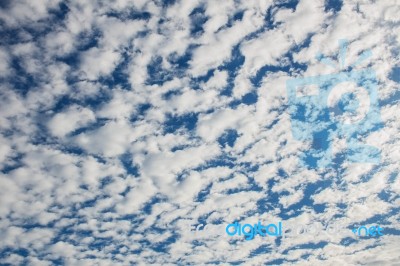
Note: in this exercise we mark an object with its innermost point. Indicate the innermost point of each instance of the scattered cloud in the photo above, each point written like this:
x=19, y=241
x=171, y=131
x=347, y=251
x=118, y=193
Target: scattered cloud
x=125, y=124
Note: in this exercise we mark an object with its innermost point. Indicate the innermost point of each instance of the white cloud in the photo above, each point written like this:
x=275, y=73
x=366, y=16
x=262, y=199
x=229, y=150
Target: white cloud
x=211, y=126
x=98, y=62
x=163, y=167
x=121, y=190
x=217, y=49
x=110, y=140
x=5, y=66
x=19, y=12
x=73, y=118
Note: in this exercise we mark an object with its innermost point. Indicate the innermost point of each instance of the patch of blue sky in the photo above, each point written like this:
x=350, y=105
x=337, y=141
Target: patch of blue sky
x=333, y=5
x=228, y=138
x=198, y=19
x=185, y=122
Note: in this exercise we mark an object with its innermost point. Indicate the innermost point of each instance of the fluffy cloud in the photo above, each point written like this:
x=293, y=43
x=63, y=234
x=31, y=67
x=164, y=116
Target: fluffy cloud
x=125, y=125
x=74, y=118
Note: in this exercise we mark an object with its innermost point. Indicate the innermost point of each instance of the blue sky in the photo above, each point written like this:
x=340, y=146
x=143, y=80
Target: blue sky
x=125, y=125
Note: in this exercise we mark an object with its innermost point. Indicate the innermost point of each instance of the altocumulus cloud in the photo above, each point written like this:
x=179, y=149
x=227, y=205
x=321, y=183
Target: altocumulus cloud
x=124, y=123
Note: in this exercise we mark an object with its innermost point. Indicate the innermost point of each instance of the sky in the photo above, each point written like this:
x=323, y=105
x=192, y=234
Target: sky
x=135, y=132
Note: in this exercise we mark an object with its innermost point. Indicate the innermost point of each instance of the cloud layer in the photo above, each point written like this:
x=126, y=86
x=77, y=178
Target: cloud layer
x=123, y=124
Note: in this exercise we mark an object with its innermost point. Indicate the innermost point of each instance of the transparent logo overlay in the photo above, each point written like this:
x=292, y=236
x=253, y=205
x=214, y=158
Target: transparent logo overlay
x=336, y=106
x=281, y=229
